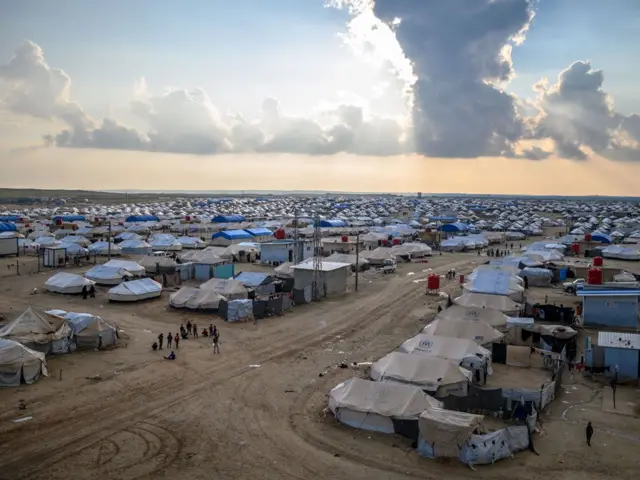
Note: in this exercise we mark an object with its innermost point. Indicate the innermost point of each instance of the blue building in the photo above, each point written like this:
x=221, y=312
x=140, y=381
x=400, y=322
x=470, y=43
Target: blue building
x=611, y=308
x=228, y=219
x=621, y=353
x=230, y=237
x=281, y=251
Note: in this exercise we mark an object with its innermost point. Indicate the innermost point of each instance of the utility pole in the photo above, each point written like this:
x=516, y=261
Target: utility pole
x=357, y=258
x=109, y=239
x=296, y=240
x=317, y=257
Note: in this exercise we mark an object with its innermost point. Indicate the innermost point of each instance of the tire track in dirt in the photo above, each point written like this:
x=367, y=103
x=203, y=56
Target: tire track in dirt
x=27, y=462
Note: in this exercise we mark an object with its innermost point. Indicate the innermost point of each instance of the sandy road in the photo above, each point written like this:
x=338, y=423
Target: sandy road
x=31, y=450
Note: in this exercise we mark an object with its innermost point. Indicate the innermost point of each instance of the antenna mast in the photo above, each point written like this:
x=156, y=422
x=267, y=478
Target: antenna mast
x=317, y=258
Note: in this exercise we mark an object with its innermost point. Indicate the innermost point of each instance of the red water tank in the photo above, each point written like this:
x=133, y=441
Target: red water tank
x=188, y=218
x=575, y=248
x=461, y=279
x=597, y=261
x=433, y=281
x=280, y=234
x=345, y=239
x=58, y=221
x=594, y=276
x=587, y=237
x=384, y=242
x=396, y=241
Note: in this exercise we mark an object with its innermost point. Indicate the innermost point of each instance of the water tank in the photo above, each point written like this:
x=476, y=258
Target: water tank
x=385, y=243
x=59, y=221
x=433, y=281
x=461, y=279
x=575, y=248
x=345, y=239
x=396, y=241
x=280, y=234
x=187, y=218
x=587, y=237
x=594, y=276
x=597, y=261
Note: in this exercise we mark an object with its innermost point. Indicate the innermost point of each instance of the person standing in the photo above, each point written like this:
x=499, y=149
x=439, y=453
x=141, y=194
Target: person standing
x=169, y=339
x=189, y=327
x=176, y=340
x=160, y=340
x=195, y=330
x=211, y=330
x=84, y=292
x=589, y=433
x=216, y=344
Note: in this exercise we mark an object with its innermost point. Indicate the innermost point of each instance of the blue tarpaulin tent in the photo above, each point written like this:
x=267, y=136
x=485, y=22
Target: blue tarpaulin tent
x=142, y=218
x=601, y=237
x=233, y=235
x=456, y=227
x=259, y=231
x=7, y=227
x=333, y=223
x=442, y=219
x=9, y=218
x=68, y=218
x=228, y=219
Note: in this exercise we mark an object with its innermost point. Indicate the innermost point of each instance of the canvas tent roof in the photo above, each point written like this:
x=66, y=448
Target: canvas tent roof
x=448, y=430
x=195, y=299
x=496, y=302
x=104, y=275
x=35, y=327
x=63, y=282
x=386, y=399
x=284, y=270
x=428, y=373
x=132, y=267
x=479, y=332
x=494, y=318
x=18, y=362
x=135, y=290
x=455, y=349
x=494, y=282
x=227, y=287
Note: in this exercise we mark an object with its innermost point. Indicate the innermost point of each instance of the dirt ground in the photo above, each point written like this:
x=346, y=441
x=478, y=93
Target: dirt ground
x=257, y=410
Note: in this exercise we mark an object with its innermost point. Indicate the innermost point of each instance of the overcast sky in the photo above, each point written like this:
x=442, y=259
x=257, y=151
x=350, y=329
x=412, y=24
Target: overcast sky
x=504, y=96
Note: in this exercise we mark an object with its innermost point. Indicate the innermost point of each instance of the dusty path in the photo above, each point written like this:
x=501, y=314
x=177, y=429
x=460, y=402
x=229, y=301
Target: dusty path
x=256, y=411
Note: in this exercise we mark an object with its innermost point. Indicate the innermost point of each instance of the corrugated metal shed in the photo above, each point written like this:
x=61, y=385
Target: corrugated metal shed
x=630, y=341
x=608, y=293
x=326, y=266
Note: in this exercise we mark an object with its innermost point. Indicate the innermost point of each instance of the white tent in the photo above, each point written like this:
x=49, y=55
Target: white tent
x=412, y=250
x=227, y=287
x=68, y=283
x=132, y=267
x=479, y=332
x=495, y=302
x=135, y=290
x=165, y=242
x=78, y=240
x=90, y=331
x=191, y=242
x=195, y=299
x=39, y=331
x=620, y=253
x=19, y=364
x=135, y=246
x=495, y=282
x=438, y=376
x=102, y=248
x=494, y=318
x=374, y=406
x=103, y=275
x=446, y=431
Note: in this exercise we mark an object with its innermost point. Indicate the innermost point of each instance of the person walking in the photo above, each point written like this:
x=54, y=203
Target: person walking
x=216, y=344
x=84, y=292
x=189, y=327
x=211, y=330
x=176, y=340
x=195, y=330
x=160, y=340
x=589, y=433
x=169, y=339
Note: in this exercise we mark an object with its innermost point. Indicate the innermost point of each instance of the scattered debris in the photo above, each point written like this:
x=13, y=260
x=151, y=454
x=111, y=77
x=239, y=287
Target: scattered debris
x=23, y=419
x=254, y=366
x=343, y=365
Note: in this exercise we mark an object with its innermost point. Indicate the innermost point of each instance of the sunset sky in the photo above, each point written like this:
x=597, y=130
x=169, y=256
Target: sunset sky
x=470, y=96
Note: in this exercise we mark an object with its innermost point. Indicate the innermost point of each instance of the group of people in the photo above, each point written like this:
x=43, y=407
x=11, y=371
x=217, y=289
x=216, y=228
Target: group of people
x=495, y=252
x=88, y=292
x=185, y=332
x=451, y=274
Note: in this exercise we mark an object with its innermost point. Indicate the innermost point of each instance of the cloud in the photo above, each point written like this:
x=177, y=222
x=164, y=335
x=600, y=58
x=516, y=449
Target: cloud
x=460, y=51
x=579, y=116
x=187, y=121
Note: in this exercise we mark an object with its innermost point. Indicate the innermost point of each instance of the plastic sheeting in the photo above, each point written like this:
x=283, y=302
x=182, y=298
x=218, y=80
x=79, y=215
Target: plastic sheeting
x=240, y=310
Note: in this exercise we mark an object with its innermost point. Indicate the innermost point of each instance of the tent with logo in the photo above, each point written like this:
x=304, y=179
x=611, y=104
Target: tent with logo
x=501, y=303
x=437, y=376
x=378, y=406
x=494, y=318
x=19, y=364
